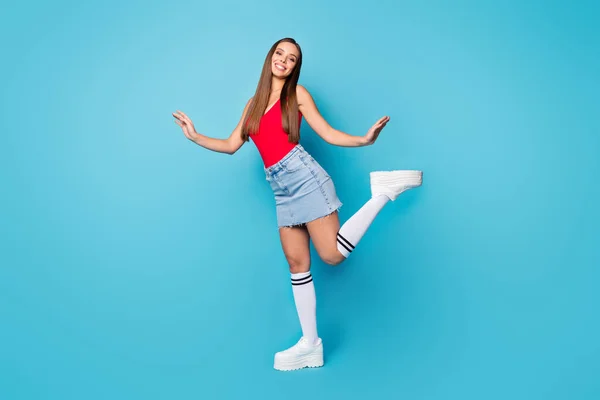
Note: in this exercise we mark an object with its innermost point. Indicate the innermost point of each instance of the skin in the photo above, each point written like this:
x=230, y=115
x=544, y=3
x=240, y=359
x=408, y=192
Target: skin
x=295, y=241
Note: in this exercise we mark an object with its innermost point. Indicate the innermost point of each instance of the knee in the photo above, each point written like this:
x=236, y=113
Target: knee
x=298, y=265
x=333, y=258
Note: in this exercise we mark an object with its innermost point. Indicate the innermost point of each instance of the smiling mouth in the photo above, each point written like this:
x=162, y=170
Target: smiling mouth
x=280, y=67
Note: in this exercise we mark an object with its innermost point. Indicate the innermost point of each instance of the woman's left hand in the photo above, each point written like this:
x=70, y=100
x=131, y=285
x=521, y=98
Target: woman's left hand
x=375, y=130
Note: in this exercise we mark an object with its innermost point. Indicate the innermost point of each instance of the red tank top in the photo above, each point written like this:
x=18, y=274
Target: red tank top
x=271, y=140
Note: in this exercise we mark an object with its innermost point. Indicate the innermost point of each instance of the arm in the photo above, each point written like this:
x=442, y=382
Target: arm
x=333, y=136
x=227, y=146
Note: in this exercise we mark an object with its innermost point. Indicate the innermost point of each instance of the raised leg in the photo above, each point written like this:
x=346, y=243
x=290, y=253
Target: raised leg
x=323, y=232
x=335, y=244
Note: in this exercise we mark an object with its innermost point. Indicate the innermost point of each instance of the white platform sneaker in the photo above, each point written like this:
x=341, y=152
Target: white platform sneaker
x=300, y=355
x=392, y=183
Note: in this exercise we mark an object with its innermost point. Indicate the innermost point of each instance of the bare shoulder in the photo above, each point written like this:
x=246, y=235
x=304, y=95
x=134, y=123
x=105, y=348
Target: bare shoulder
x=302, y=94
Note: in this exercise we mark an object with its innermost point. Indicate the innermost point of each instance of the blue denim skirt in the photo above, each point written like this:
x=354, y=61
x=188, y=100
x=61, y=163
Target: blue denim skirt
x=303, y=190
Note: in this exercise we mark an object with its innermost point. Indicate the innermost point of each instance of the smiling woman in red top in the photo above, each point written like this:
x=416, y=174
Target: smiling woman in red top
x=305, y=198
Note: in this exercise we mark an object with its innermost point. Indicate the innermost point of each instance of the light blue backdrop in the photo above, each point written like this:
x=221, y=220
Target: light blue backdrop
x=137, y=265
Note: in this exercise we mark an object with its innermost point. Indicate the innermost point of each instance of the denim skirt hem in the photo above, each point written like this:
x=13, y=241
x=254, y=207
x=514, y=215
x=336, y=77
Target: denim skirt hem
x=303, y=190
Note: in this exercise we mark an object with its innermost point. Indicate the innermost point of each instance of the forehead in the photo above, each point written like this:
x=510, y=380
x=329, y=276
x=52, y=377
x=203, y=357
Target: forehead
x=288, y=47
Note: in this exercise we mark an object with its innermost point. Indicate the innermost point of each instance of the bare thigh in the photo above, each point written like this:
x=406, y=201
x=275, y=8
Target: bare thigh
x=295, y=242
x=323, y=232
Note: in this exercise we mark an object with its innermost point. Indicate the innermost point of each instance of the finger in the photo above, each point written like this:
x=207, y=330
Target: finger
x=181, y=116
x=185, y=116
x=182, y=123
x=178, y=123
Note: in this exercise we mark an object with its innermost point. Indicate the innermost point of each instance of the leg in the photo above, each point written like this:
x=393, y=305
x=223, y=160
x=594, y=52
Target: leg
x=323, y=233
x=308, y=352
x=334, y=244
x=295, y=243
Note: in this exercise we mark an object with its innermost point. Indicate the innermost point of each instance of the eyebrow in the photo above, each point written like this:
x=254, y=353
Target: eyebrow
x=292, y=54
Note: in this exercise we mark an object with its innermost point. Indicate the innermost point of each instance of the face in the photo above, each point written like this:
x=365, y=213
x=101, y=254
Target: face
x=284, y=59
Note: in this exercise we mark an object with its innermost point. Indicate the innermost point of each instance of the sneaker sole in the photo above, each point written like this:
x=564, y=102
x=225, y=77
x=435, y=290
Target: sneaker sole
x=309, y=361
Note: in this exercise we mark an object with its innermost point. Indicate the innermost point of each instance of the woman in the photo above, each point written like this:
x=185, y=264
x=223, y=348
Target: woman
x=305, y=196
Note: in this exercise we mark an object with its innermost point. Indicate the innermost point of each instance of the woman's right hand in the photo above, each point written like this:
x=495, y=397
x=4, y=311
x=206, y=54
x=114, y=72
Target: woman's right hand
x=186, y=125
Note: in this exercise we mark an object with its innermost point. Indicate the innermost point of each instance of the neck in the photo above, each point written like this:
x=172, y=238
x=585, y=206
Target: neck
x=277, y=84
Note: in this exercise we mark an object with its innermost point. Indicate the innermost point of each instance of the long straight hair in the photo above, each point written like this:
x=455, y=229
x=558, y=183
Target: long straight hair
x=288, y=98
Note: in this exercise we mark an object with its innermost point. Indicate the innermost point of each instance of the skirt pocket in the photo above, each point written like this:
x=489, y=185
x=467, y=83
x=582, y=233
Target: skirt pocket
x=294, y=163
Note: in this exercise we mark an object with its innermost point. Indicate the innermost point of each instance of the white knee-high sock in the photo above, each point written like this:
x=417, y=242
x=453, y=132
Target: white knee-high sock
x=306, y=304
x=353, y=230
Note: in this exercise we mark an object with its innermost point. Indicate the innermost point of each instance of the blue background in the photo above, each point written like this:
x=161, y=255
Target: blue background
x=137, y=265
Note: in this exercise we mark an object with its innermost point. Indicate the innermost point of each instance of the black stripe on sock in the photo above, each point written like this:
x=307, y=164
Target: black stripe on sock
x=301, y=279
x=344, y=245
x=302, y=283
x=345, y=240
